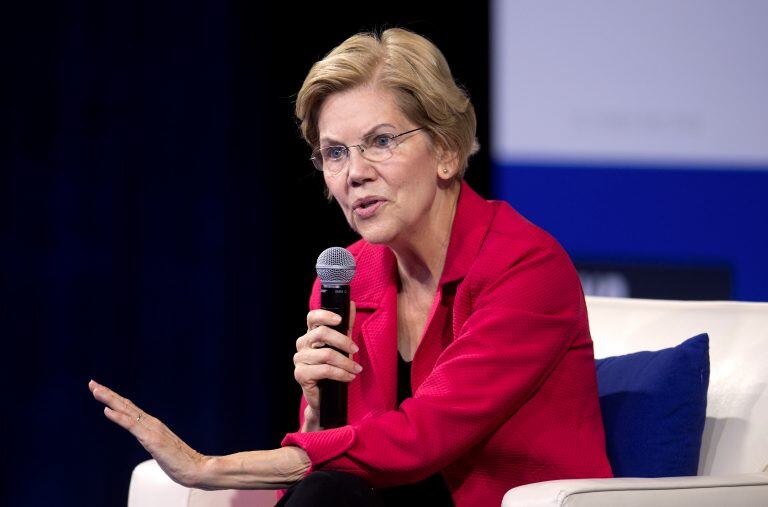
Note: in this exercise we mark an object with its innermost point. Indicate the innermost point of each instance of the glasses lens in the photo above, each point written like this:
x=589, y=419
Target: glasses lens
x=330, y=159
x=317, y=160
x=375, y=148
x=378, y=147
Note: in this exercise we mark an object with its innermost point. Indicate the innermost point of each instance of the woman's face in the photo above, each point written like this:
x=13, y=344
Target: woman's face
x=405, y=184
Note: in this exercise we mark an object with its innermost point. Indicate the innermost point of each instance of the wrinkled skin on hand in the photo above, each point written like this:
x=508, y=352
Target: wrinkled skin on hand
x=179, y=461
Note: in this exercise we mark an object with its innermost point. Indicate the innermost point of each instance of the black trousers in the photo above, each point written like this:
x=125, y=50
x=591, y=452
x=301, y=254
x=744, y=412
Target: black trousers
x=340, y=489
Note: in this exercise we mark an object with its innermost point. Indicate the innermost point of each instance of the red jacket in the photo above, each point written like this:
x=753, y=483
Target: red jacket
x=503, y=379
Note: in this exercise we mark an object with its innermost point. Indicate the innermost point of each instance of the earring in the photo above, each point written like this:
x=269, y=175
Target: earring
x=445, y=171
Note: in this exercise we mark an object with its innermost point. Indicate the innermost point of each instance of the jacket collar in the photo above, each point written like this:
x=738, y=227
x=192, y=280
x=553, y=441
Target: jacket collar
x=470, y=225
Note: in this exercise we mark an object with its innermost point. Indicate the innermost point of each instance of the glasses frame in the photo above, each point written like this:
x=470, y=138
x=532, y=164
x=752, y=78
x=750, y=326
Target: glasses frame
x=317, y=156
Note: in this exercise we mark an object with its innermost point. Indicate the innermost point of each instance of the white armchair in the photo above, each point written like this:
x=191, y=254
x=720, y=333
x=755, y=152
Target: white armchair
x=150, y=487
x=734, y=451
x=734, y=454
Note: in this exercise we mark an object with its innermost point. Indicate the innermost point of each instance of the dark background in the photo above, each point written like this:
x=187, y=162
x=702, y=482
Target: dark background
x=160, y=221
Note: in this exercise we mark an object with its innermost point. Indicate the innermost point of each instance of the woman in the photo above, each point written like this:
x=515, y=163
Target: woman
x=470, y=363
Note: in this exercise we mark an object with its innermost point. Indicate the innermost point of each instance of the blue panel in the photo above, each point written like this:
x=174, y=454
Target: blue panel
x=650, y=215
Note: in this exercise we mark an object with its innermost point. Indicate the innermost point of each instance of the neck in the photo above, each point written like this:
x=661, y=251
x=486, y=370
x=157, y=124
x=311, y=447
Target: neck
x=420, y=258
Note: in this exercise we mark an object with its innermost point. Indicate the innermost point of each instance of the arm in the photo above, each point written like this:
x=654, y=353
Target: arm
x=523, y=321
x=270, y=469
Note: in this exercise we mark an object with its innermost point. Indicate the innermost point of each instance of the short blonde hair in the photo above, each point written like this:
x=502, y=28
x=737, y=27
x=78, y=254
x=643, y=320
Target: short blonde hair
x=409, y=65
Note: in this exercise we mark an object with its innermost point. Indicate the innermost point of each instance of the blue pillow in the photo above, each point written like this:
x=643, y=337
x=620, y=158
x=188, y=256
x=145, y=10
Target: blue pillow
x=654, y=405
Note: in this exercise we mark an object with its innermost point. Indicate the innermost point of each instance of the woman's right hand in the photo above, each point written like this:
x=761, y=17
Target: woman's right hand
x=314, y=362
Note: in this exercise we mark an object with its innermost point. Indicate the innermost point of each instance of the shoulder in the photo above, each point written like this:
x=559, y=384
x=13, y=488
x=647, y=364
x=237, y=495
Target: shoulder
x=512, y=237
x=521, y=261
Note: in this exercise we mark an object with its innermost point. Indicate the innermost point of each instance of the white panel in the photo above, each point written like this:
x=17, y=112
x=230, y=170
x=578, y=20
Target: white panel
x=657, y=81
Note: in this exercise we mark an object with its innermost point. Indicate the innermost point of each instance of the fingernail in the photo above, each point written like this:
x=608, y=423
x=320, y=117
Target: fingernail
x=358, y=368
x=336, y=319
x=355, y=348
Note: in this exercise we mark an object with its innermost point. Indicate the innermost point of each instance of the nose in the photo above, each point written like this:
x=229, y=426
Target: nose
x=359, y=169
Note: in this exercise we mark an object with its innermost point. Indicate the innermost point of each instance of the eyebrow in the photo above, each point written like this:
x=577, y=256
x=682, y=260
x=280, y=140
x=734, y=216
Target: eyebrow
x=334, y=142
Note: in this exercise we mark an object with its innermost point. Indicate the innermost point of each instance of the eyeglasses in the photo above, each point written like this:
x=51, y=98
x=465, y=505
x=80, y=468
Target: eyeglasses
x=374, y=148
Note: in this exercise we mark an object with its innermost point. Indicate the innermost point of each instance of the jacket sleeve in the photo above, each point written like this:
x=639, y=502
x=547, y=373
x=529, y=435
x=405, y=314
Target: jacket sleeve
x=522, y=322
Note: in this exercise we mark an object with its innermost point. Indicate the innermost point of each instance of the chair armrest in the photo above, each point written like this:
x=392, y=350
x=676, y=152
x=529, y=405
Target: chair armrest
x=151, y=487
x=745, y=490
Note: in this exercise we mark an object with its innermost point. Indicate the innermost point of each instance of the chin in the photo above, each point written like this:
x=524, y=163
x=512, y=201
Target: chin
x=374, y=234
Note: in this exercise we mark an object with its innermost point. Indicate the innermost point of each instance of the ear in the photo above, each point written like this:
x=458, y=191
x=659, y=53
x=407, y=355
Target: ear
x=447, y=163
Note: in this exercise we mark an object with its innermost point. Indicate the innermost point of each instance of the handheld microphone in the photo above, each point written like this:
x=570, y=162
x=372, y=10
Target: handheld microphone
x=335, y=267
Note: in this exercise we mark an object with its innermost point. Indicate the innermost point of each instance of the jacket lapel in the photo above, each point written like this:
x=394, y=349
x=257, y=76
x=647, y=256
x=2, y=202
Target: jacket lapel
x=468, y=231
x=374, y=290
x=376, y=295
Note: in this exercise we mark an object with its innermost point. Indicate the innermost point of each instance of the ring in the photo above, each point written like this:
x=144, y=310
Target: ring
x=138, y=418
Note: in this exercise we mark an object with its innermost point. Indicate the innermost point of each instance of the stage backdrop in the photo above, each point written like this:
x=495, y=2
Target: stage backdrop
x=160, y=221
x=637, y=133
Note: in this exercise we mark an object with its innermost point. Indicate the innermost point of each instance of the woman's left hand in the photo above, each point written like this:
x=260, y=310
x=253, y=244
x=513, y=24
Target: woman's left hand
x=182, y=463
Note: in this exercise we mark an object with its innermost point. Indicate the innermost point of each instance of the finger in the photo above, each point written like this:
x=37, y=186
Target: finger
x=352, y=312
x=309, y=374
x=326, y=355
x=321, y=317
x=323, y=335
x=114, y=401
x=110, y=398
x=121, y=419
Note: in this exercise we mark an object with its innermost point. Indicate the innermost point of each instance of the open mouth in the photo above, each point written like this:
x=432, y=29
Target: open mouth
x=369, y=208
x=367, y=204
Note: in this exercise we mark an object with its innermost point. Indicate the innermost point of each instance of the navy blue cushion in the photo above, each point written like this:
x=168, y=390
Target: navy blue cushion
x=654, y=405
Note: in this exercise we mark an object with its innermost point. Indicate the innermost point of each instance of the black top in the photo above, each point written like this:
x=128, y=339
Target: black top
x=430, y=491
x=403, y=379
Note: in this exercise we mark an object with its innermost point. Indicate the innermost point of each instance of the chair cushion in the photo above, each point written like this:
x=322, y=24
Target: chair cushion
x=654, y=406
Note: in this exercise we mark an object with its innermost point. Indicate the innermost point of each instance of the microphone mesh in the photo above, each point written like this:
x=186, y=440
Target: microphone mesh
x=335, y=265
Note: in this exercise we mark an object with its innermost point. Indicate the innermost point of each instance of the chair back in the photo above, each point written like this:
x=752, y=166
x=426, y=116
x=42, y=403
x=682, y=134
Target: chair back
x=735, y=436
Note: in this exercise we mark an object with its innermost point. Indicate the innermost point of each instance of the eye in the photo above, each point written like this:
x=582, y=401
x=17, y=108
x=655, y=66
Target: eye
x=381, y=140
x=334, y=153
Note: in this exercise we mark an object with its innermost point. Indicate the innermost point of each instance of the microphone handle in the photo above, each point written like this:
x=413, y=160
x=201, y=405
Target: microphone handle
x=333, y=393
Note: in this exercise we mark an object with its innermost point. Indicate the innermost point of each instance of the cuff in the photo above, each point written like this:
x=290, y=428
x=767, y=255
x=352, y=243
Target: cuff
x=322, y=446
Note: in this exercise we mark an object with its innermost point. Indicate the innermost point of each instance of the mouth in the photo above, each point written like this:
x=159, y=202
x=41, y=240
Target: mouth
x=368, y=208
x=366, y=202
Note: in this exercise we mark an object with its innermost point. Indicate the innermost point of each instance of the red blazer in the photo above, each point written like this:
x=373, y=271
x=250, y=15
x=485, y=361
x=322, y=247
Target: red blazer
x=503, y=379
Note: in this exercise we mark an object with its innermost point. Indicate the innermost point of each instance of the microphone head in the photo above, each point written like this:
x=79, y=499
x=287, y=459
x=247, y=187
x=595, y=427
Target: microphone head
x=335, y=265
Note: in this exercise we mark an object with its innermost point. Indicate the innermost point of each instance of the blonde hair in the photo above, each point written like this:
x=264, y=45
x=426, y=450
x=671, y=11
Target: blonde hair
x=409, y=65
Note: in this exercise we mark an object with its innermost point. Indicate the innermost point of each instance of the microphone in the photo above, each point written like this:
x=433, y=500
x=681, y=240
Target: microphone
x=335, y=267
